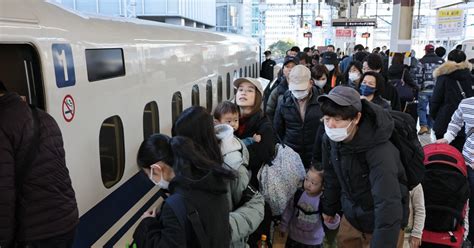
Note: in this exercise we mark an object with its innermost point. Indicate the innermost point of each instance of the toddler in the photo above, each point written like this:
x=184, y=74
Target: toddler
x=302, y=217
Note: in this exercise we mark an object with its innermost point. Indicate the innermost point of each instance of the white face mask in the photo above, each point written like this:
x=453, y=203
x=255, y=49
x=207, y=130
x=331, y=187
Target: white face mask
x=300, y=94
x=337, y=134
x=320, y=83
x=330, y=67
x=163, y=184
x=353, y=76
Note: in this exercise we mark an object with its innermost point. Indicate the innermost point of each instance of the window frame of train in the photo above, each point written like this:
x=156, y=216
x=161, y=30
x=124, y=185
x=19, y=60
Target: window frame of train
x=176, y=105
x=151, y=119
x=209, y=95
x=115, y=144
x=219, y=89
x=245, y=71
x=99, y=59
x=195, y=98
x=26, y=79
x=235, y=77
x=240, y=72
x=228, y=86
x=256, y=70
x=253, y=70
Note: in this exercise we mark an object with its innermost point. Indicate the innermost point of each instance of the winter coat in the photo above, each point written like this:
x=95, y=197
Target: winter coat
x=429, y=63
x=273, y=100
x=297, y=133
x=207, y=195
x=390, y=93
x=395, y=72
x=267, y=69
x=263, y=151
x=447, y=95
x=381, y=102
x=339, y=80
x=244, y=219
x=48, y=207
x=362, y=177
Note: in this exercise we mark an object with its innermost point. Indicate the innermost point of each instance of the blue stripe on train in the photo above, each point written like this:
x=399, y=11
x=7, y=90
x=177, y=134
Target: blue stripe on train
x=132, y=220
x=106, y=213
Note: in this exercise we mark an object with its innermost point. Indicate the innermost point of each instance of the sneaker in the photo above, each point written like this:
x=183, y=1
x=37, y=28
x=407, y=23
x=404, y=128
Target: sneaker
x=423, y=130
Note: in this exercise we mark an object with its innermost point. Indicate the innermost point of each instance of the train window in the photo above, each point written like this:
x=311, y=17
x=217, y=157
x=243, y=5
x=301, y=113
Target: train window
x=195, y=96
x=256, y=70
x=228, y=87
x=176, y=106
x=219, y=89
x=151, y=119
x=209, y=95
x=240, y=73
x=112, y=151
x=235, y=77
x=245, y=71
x=104, y=63
x=253, y=70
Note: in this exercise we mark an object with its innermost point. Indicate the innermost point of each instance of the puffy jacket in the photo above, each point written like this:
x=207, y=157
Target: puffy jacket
x=48, y=206
x=263, y=151
x=207, y=195
x=275, y=95
x=244, y=219
x=447, y=95
x=362, y=177
x=294, y=132
x=429, y=63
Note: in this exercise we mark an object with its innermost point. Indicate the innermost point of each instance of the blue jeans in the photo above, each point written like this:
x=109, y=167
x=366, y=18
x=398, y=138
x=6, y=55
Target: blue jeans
x=423, y=101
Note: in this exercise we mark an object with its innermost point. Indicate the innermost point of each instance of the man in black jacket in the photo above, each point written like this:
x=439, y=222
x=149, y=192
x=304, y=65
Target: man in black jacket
x=267, y=66
x=41, y=211
x=362, y=171
x=298, y=115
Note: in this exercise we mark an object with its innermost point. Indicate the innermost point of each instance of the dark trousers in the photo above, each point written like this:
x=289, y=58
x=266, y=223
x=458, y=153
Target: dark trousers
x=61, y=241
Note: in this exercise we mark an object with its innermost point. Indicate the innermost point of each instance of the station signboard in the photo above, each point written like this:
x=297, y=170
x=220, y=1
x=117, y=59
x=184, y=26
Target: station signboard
x=344, y=34
x=352, y=22
x=449, y=23
x=308, y=35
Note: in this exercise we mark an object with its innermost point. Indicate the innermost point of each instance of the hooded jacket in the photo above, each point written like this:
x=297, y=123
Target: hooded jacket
x=48, y=204
x=297, y=133
x=361, y=177
x=447, y=95
x=207, y=195
x=245, y=219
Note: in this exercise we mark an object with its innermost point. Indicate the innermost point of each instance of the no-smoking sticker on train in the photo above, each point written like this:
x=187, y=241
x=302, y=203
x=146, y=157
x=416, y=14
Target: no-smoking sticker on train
x=69, y=108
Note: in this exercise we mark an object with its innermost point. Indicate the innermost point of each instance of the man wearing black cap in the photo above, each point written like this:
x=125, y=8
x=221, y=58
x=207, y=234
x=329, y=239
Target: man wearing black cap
x=281, y=86
x=267, y=66
x=429, y=63
x=362, y=171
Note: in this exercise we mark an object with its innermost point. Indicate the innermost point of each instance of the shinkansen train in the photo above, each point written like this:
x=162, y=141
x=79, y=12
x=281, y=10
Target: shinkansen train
x=110, y=82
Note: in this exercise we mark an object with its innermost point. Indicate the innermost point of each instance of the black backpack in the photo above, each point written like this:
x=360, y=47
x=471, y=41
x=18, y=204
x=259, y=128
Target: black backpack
x=296, y=199
x=405, y=138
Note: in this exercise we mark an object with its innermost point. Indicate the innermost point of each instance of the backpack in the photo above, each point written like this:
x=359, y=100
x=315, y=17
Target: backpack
x=405, y=92
x=184, y=211
x=405, y=138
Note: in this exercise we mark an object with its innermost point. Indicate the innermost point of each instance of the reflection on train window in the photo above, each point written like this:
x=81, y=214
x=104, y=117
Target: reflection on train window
x=195, y=96
x=151, y=119
x=227, y=85
x=245, y=71
x=219, y=89
x=112, y=151
x=176, y=106
x=104, y=63
x=209, y=96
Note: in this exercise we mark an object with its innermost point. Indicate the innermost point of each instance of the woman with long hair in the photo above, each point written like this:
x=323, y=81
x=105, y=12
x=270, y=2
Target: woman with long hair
x=195, y=182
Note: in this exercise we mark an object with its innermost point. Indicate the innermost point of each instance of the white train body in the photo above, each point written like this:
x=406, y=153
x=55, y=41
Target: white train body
x=43, y=55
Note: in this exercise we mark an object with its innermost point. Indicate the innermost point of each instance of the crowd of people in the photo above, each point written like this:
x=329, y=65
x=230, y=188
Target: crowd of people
x=335, y=112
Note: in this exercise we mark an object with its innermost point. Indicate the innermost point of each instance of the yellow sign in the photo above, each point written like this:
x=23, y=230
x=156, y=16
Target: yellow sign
x=449, y=23
x=450, y=13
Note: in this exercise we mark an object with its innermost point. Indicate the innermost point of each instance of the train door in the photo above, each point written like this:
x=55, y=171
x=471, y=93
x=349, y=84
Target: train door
x=20, y=72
